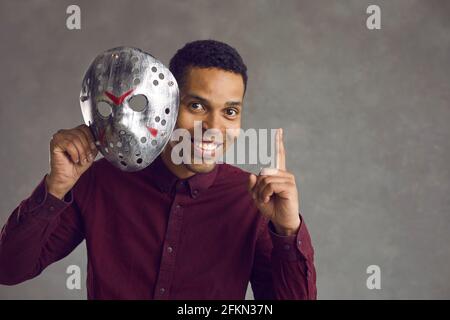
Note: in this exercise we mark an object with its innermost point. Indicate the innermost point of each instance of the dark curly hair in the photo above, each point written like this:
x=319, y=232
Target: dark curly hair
x=207, y=54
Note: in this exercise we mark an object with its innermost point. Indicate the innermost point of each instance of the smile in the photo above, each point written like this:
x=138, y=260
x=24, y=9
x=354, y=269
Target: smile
x=205, y=146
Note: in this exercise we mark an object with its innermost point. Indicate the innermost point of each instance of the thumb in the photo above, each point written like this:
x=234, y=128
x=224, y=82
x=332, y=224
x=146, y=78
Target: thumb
x=251, y=181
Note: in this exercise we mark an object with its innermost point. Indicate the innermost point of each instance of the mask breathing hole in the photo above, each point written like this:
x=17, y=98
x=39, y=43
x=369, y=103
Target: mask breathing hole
x=123, y=163
x=154, y=142
x=143, y=139
x=154, y=69
x=155, y=82
x=167, y=110
x=163, y=122
x=139, y=161
x=157, y=119
x=161, y=76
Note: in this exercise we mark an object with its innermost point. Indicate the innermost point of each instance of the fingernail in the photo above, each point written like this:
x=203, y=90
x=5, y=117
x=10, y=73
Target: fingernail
x=91, y=157
x=92, y=146
x=269, y=171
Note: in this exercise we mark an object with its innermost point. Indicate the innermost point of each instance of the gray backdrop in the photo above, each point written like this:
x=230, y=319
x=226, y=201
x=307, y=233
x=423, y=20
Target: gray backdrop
x=365, y=115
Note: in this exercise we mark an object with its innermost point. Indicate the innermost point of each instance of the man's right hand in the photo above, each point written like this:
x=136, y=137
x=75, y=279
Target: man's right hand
x=72, y=152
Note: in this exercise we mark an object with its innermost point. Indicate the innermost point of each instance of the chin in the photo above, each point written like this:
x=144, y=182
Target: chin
x=201, y=168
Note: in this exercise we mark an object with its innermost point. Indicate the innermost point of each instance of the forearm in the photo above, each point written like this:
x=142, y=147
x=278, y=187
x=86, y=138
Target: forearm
x=283, y=231
x=26, y=233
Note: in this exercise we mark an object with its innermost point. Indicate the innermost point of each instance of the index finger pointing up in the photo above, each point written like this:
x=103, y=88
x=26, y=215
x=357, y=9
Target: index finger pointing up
x=280, y=151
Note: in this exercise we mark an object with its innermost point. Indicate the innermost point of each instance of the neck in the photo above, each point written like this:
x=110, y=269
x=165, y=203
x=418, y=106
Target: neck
x=177, y=169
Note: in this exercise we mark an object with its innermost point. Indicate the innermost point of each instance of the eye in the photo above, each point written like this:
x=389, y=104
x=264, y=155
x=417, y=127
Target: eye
x=231, y=112
x=196, y=106
x=104, y=109
x=138, y=102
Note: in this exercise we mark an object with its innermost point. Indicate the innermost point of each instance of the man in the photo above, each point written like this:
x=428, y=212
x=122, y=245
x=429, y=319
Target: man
x=170, y=231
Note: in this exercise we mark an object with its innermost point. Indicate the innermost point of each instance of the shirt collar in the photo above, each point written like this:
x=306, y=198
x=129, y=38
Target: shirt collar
x=165, y=180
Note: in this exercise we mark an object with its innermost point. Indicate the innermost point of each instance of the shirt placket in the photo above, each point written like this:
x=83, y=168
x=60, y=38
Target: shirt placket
x=170, y=246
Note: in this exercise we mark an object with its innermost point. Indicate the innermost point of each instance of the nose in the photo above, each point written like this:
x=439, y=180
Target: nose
x=212, y=121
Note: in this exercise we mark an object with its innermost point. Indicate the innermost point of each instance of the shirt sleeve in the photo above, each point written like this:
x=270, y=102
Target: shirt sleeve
x=40, y=231
x=283, y=267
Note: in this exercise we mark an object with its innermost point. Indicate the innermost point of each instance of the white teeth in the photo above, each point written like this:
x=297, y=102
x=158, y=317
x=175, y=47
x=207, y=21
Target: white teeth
x=207, y=146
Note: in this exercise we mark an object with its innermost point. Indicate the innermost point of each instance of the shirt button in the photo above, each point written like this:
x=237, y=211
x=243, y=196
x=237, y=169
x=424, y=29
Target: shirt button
x=39, y=200
x=51, y=208
x=169, y=249
x=178, y=206
x=162, y=290
x=287, y=247
x=180, y=185
x=195, y=193
x=299, y=242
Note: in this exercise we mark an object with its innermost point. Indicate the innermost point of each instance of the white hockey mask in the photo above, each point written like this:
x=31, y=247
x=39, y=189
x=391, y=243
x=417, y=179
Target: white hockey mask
x=130, y=101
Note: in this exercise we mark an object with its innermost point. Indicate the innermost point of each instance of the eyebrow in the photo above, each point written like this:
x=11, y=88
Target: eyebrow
x=206, y=101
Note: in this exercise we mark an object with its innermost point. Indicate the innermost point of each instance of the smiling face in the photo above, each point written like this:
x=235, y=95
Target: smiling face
x=214, y=97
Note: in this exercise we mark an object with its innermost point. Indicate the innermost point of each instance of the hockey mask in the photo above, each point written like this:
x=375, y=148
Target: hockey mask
x=130, y=101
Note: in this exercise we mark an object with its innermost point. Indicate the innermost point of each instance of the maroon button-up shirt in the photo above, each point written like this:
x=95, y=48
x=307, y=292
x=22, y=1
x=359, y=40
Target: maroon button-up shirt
x=150, y=235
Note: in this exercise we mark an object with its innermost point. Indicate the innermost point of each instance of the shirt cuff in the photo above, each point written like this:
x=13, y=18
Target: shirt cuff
x=45, y=204
x=291, y=247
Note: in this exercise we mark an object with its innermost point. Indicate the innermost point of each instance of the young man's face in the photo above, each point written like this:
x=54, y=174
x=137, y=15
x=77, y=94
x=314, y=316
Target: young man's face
x=214, y=97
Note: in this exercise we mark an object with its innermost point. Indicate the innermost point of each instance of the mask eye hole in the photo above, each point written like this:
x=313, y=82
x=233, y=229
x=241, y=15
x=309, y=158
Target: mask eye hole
x=104, y=109
x=138, y=102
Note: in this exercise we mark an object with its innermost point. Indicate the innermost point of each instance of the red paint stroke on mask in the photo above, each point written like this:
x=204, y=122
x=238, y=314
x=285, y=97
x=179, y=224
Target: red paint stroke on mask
x=153, y=131
x=118, y=100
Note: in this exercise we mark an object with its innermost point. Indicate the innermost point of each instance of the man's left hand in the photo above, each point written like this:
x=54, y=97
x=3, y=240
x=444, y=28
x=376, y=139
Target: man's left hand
x=275, y=193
